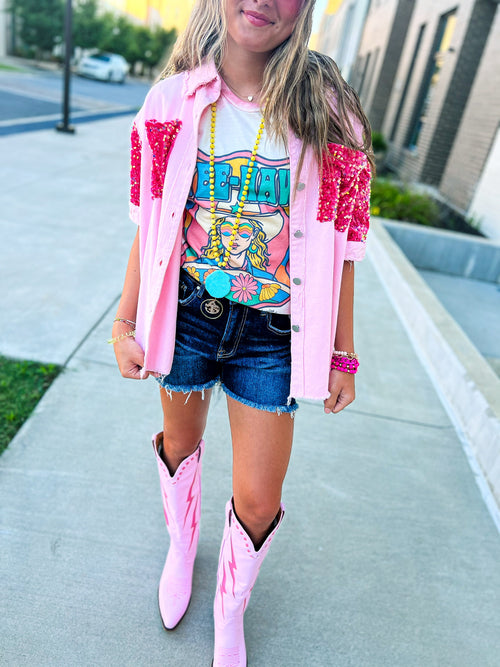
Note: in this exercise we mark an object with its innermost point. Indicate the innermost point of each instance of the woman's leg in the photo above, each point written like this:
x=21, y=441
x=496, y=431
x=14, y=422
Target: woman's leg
x=179, y=451
x=261, y=450
x=262, y=443
x=183, y=424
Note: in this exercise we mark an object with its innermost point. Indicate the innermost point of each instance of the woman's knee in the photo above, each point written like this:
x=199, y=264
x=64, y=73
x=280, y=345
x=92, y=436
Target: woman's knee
x=180, y=445
x=183, y=421
x=255, y=510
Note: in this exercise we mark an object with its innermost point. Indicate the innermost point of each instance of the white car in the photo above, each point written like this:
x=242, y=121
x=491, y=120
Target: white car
x=104, y=66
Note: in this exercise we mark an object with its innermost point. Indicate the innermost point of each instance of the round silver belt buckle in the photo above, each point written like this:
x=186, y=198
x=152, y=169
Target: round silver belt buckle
x=212, y=308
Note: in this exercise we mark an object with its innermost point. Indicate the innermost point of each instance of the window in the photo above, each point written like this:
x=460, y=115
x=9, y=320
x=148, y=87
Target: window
x=369, y=78
x=441, y=45
x=407, y=82
x=363, y=76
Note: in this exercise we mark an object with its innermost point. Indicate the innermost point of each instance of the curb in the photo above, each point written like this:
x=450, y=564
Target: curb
x=468, y=387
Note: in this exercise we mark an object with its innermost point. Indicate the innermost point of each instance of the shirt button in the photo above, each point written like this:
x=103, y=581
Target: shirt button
x=296, y=328
x=301, y=186
x=297, y=281
x=298, y=234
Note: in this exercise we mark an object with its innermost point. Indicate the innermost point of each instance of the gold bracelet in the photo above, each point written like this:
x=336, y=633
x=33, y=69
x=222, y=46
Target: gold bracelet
x=114, y=340
x=349, y=355
x=121, y=319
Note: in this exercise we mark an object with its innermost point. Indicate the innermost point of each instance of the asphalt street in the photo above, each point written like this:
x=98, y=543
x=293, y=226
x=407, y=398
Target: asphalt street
x=31, y=99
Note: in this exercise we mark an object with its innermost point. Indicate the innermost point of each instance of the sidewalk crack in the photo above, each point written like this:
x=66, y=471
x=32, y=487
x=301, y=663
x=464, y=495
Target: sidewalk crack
x=91, y=330
x=413, y=422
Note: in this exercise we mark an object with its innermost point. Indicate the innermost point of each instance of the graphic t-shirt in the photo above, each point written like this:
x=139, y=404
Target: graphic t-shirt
x=258, y=265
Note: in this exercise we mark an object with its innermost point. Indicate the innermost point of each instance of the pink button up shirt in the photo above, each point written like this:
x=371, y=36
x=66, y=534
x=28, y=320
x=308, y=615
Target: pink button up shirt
x=329, y=217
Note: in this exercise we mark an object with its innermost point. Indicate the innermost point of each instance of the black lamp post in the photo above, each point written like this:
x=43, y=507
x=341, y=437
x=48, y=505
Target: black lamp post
x=64, y=126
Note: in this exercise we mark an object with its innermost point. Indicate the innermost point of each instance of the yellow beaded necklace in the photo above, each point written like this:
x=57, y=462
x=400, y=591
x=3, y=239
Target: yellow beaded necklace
x=216, y=283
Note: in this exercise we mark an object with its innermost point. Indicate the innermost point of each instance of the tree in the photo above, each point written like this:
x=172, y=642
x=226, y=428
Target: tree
x=134, y=42
x=41, y=27
x=88, y=27
x=119, y=36
x=160, y=43
x=40, y=23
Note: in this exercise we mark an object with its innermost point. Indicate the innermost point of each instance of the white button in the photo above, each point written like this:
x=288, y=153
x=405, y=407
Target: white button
x=301, y=186
x=298, y=234
x=295, y=328
x=297, y=281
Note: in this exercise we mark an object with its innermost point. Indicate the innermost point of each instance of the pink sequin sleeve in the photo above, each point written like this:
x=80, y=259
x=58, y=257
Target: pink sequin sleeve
x=151, y=145
x=135, y=167
x=161, y=139
x=345, y=195
x=360, y=220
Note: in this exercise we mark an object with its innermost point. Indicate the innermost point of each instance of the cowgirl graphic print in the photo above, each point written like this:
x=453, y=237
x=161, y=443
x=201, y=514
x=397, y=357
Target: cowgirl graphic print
x=258, y=261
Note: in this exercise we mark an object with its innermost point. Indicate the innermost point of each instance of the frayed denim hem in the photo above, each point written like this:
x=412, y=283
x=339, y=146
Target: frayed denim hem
x=185, y=389
x=289, y=409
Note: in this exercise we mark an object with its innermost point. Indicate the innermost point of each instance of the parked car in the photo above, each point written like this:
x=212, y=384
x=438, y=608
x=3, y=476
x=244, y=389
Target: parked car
x=104, y=66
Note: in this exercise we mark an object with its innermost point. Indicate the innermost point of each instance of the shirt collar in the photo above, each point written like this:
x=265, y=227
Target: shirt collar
x=201, y=76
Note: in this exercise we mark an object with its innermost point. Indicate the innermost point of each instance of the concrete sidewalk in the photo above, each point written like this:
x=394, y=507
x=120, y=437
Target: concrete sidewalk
x=387, y=557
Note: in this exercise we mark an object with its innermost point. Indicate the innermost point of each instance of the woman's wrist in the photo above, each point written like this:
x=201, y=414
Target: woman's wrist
x=122, y=326
x=123, y=320
x=344, y=361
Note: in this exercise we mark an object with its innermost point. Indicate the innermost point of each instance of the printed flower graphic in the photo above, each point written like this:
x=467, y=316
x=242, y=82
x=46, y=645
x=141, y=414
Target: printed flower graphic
x=268, y=291
x=243, y=287
x=193, y=272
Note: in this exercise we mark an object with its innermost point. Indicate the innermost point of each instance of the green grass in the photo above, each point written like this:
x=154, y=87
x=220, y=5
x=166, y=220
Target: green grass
x=9, y=68
x=22, y=384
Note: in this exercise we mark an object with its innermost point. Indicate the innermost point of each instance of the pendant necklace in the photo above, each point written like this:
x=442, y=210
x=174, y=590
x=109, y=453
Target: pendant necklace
x=242, y=97
x=218, y=282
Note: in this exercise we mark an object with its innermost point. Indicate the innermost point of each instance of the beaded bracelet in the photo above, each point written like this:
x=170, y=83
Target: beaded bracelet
x=114, y=340
x=350, y=355
x=121, y=319
x=344, y=364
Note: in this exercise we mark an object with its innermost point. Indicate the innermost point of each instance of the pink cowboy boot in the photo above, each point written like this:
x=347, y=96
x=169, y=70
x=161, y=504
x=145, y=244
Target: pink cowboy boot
x=239, y=565
x=181, y=504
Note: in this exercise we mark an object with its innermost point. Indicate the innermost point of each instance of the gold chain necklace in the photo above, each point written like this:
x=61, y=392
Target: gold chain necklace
x=241, y=97
x=218, y=282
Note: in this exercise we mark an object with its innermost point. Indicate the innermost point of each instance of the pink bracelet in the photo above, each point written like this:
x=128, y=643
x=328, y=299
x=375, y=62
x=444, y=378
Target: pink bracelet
x=344, y=364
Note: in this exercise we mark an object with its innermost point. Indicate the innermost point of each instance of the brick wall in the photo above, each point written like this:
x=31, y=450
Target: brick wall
x=374, y=40
x=458, y=92
x=410, y=163
x=477, y=129
x=383, y=40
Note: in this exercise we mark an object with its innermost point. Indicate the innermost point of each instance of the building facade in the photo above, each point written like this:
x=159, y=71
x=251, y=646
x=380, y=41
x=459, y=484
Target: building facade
x=380, y=48
x=438, y=67
x=4, y=36
x=471, y=177
x=340, y=32
x=428, y=75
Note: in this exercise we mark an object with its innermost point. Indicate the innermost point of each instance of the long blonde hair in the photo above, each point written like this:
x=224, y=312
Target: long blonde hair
x=303, y=89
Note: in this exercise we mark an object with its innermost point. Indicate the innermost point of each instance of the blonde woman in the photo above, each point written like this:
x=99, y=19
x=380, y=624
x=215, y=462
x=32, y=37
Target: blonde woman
x=245, y=120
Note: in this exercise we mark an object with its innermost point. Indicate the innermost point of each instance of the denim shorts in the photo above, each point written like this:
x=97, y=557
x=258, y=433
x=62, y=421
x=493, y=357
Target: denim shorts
x=219, y=341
